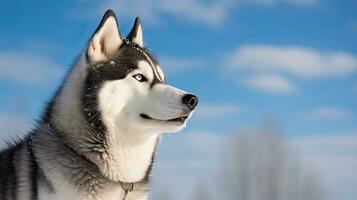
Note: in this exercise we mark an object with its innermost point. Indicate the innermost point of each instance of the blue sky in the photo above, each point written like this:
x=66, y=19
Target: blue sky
x=294, y=60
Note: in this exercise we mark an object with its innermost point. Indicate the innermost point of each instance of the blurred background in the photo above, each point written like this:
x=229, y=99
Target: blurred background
x=276, y=79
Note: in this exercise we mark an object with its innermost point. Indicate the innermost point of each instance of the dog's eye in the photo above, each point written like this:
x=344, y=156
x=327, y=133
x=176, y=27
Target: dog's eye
x=140, y=77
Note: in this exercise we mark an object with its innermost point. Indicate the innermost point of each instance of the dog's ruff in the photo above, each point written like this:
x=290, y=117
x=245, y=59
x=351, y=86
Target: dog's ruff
x=97, y=138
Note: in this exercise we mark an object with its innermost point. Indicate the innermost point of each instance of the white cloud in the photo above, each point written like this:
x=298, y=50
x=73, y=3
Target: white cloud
x=335, y=158
x=205, y=141
x=302, y=2
x=270, y=83
x=211, y=13
x=184, y=159
x=298, y=61
x=262, y=2
x=277, y=2
x=19, y=67
x=188, y=157
x=329, y=144
x=325, y=113
x=153, y=12
x=207, y=13
x=197, y=142
x=216, y=110
x=175, y=64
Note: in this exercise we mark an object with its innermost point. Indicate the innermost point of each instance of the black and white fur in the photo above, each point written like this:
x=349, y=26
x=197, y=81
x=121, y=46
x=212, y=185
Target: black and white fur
x=101, y=129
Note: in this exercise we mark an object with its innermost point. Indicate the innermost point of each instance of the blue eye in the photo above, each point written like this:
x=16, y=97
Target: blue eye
x=140, y=77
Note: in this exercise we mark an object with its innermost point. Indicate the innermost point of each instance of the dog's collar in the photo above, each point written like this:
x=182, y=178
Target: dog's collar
x=127, y=187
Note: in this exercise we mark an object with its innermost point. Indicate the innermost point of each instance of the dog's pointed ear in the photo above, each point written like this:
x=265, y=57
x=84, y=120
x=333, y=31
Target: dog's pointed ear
x=106, y=40
x=136, y=33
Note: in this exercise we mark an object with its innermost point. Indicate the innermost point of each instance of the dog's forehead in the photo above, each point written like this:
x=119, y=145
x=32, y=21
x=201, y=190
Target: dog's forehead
x=151, y=71
x=145, y=61
x=145, y=67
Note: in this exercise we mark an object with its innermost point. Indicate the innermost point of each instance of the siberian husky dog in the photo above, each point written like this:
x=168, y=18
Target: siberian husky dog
x=98, y=136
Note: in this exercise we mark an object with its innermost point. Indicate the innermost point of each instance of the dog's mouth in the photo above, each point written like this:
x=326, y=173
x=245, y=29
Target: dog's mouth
x=177, y=120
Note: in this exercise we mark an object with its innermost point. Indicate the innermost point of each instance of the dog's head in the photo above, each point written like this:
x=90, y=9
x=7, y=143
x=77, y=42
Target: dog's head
x=126, y=85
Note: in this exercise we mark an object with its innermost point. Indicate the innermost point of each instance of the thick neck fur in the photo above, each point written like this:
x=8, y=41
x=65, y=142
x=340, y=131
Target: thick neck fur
x=120, y=155
x=70, y=175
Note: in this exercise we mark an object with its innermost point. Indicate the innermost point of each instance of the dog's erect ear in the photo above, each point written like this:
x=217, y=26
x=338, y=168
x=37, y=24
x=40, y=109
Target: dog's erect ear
x=106, y=40
x=136, y=33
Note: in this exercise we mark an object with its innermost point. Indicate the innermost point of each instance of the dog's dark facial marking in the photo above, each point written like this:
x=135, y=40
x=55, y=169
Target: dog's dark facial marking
x=127, y=60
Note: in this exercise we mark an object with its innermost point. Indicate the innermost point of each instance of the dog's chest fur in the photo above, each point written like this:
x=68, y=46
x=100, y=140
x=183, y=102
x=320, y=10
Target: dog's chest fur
x=70, y=176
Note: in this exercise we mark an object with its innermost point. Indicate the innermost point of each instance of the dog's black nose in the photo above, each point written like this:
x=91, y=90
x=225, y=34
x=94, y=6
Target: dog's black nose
x=190, y=101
